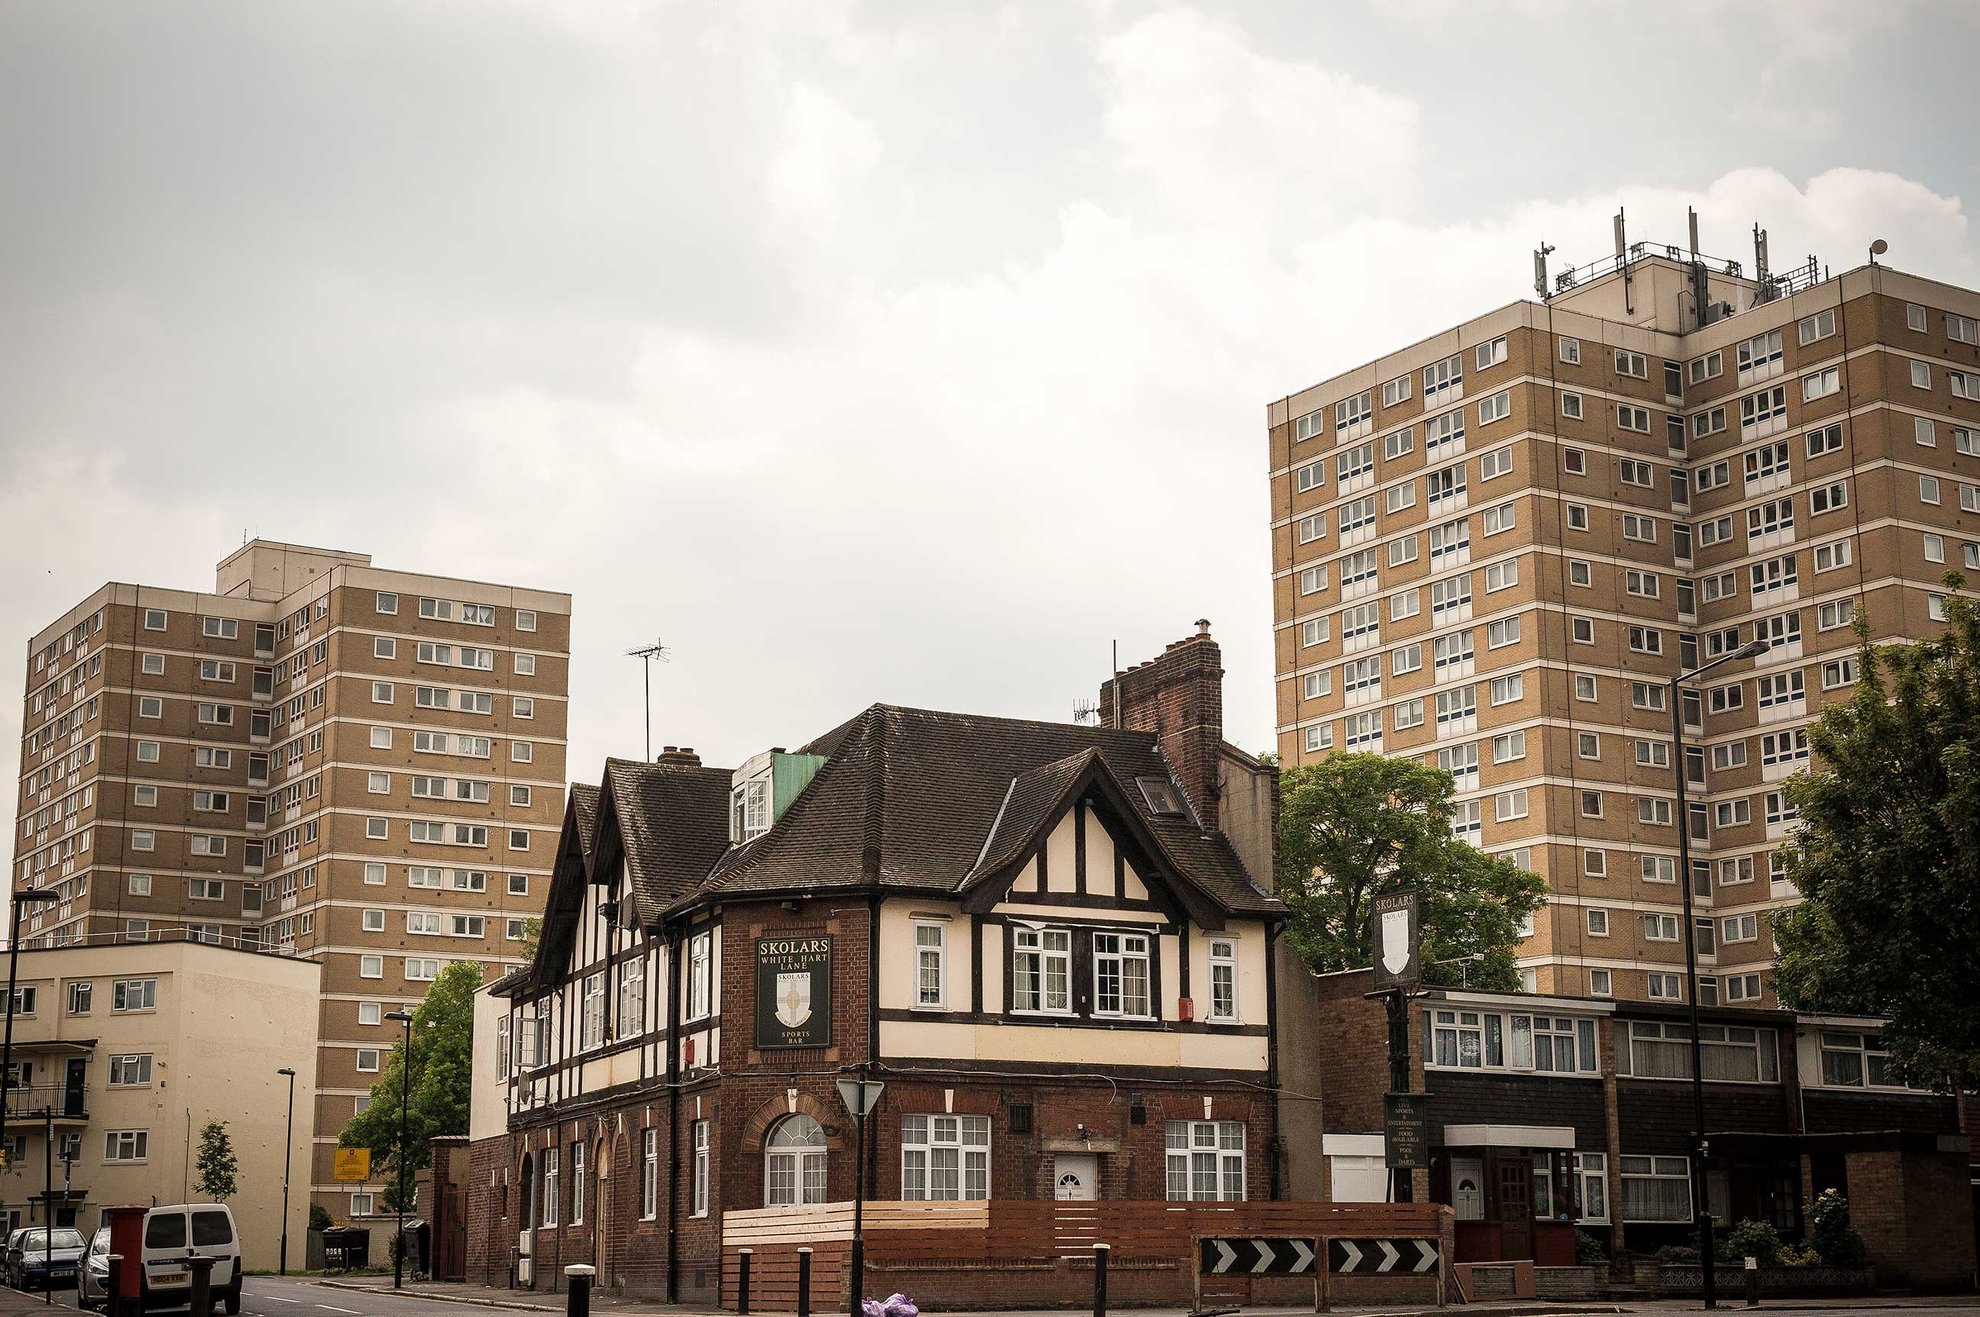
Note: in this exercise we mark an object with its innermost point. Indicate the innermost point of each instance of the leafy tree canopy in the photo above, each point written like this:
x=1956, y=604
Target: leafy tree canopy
x=216, y=1169
x=1887, y=856
x=443, y=1047
x=1355, y=826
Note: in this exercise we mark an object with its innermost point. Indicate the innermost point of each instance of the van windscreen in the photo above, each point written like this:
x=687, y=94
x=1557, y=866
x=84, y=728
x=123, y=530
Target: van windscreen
x=165, y=1230
x=211, y=1229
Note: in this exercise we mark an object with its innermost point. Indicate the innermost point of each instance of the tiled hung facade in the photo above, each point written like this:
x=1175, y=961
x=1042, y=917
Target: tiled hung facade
x=1494, y=548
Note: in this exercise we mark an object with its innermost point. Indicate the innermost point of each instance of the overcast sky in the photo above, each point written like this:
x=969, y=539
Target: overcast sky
x=910, y=353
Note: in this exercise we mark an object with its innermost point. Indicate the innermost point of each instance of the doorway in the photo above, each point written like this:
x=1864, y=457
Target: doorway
x=1515, y=1185
x=1075, y=1177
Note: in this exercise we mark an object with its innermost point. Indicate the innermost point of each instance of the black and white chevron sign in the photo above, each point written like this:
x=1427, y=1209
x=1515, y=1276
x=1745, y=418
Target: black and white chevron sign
x=1372, y=1257
x=1247, y=1256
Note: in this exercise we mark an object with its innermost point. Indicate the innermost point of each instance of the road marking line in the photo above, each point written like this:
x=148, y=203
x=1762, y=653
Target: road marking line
x=327, y=1308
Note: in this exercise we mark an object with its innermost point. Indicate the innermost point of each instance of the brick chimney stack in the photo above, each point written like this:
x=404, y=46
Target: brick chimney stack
x=683, y=755
x=1180, y=698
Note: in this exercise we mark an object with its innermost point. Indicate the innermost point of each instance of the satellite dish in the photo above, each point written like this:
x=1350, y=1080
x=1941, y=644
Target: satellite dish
x=1879, y=247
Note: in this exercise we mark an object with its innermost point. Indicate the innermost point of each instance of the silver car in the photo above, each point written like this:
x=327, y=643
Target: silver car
x=93, y=1276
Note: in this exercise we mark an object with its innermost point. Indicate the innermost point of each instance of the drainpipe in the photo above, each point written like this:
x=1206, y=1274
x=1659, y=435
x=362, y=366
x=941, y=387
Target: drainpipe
x=1272, y=1050
x=673, y=1113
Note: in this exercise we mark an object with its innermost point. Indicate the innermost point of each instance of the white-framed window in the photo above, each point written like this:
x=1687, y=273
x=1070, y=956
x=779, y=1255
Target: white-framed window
x=649, y=1174
x=1497, y=407
x=421, y=969
x=1631, y=417
x=1121, y=975
x=126, y=1145
x=1500, y=518
x=794, y=1162
x=929, y=947
x=1308, y=426
x=1223, y=981
x=1632, y=364
x=1041, y=965
x=371, y=1012
x=381, y=738
x=1572, y=406
x=154, y=619
x=1396, y=391
x=367, y=1060
x=1598, y=922
x=1655, y=1188
x=1571, y=351
x=548, y=1199
x=1821, y=384
x=1508, y=746
x=371, y=967
x=1205, y=1160
x=698, y=1182
x=945, y=1158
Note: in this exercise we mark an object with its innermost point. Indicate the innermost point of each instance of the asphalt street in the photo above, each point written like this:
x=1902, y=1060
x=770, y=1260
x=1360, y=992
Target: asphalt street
x=272, y=1296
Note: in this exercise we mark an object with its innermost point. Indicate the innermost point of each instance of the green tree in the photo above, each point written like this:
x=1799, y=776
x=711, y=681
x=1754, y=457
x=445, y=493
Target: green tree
x=1354, y=826
x=216, y=1169
x=1887, y=855
x=442, y=1063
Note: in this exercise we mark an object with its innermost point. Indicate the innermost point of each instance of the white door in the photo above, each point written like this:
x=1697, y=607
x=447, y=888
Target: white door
x=1468, y=1188
x=1076, y=1176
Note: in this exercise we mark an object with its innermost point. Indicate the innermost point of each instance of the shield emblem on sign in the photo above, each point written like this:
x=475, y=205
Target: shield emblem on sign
x=793, y=999
x=1395, y=940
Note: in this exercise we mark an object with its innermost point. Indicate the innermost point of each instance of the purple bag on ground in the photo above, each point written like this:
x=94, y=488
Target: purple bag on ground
x=894, y=1305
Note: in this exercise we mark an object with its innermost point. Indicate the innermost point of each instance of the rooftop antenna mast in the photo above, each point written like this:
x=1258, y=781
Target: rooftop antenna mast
x=646, y=654
x=1086, y=712
x=1540, y=255
x=1622, y=263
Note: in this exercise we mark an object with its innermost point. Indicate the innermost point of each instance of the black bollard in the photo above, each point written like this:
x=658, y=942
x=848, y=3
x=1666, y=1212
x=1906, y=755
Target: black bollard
x=577, y=1289
x=1753, y=1282
x=202, y=1285
x=113, y=1286
x=742, y=1281
x=804, y=1283
x=1100, y=1252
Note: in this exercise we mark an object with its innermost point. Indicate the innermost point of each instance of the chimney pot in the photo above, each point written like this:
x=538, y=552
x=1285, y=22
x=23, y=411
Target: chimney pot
x=1202, y=626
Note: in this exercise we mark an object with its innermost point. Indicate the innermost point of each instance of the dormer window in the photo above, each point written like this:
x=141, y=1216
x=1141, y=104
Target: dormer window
x=1164, y=801
x=749, y=810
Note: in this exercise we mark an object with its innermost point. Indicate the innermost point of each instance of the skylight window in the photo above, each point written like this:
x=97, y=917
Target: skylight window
x=1162, y=797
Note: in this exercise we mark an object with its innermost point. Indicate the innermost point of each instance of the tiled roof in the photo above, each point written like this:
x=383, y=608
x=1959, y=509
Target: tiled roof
x=914, y=799
x=673, y=821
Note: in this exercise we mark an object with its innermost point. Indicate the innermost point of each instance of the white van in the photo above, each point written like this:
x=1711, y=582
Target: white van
x=171, y=1233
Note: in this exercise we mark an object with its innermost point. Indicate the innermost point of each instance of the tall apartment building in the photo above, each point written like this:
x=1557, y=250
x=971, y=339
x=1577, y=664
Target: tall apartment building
x=1493, y=549
x=320, y=758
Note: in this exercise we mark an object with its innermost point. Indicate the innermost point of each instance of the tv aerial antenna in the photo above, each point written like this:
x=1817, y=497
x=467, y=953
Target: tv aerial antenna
x=646, y=654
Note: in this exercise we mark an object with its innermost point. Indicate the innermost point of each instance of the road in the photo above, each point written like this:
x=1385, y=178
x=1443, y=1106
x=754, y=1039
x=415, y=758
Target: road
x=272, y=1296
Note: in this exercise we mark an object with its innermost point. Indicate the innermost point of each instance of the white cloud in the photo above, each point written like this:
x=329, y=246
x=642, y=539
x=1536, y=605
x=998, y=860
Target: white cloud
x=953, y=488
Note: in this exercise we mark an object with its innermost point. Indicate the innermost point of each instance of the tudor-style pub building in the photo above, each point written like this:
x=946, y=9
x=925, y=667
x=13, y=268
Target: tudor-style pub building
x=1052, y=942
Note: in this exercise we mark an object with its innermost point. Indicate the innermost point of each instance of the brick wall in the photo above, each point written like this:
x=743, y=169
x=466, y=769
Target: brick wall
x=1914, y=1209
x=1179, y=697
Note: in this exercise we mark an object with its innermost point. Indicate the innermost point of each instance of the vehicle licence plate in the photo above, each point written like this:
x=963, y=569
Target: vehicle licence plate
x=168, y=1277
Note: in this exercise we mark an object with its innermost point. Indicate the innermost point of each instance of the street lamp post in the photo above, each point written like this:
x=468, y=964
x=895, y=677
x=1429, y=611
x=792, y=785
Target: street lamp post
x=405, y=1108
x=22, y=896
x=288, y=1152
x=1700, y=1208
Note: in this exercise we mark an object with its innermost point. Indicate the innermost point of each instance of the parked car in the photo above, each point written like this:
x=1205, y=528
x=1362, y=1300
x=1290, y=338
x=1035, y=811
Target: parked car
x=40, y=1258
x=93, y=1276
x=170, y=1234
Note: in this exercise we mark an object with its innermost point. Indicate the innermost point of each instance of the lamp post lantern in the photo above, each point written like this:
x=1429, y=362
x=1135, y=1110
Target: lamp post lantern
x=1700, y=1208
x=288, y=1152
x=399, y=1170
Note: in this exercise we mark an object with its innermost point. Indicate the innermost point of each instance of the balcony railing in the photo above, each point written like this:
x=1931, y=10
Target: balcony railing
x=31, y=1100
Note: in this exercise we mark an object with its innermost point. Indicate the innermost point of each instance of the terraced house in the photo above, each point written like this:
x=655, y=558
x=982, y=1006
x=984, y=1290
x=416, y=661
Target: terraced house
x=1051, y=942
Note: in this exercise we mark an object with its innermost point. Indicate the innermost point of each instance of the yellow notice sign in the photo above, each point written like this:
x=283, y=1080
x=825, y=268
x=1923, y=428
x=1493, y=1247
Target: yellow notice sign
x=352, y=1164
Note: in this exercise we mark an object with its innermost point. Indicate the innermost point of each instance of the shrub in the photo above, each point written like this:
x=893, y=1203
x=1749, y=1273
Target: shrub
x=1751, y=1239
x=1832, y=1236
x=1587, y=1248
x=1677, y=1253
x=318, y=1218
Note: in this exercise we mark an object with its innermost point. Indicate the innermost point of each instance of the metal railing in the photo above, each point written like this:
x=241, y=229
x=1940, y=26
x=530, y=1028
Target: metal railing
x=227, y=937
x=29, y=1101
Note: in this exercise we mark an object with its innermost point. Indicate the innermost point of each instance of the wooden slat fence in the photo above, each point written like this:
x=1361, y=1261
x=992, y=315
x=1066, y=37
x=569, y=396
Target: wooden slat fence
x=1007, y=1253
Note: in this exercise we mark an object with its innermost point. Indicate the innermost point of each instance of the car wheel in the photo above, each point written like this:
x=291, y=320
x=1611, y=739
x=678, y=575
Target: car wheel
x=234, y=1300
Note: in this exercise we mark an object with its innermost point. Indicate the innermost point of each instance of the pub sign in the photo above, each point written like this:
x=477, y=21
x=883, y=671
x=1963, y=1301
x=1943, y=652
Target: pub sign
x=793, y=991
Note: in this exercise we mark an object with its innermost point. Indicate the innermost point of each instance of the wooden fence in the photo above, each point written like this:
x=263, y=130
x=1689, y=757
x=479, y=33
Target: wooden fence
x=1014, y=1254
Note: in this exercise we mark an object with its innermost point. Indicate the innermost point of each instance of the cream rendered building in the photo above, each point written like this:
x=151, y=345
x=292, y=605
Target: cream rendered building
x=322, y=758
x=1494, y=548
x=128, y=1050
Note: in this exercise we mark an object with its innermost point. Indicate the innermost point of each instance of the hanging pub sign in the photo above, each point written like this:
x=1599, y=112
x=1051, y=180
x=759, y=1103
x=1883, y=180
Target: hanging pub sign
x=793, y=992
x=1396, y=940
